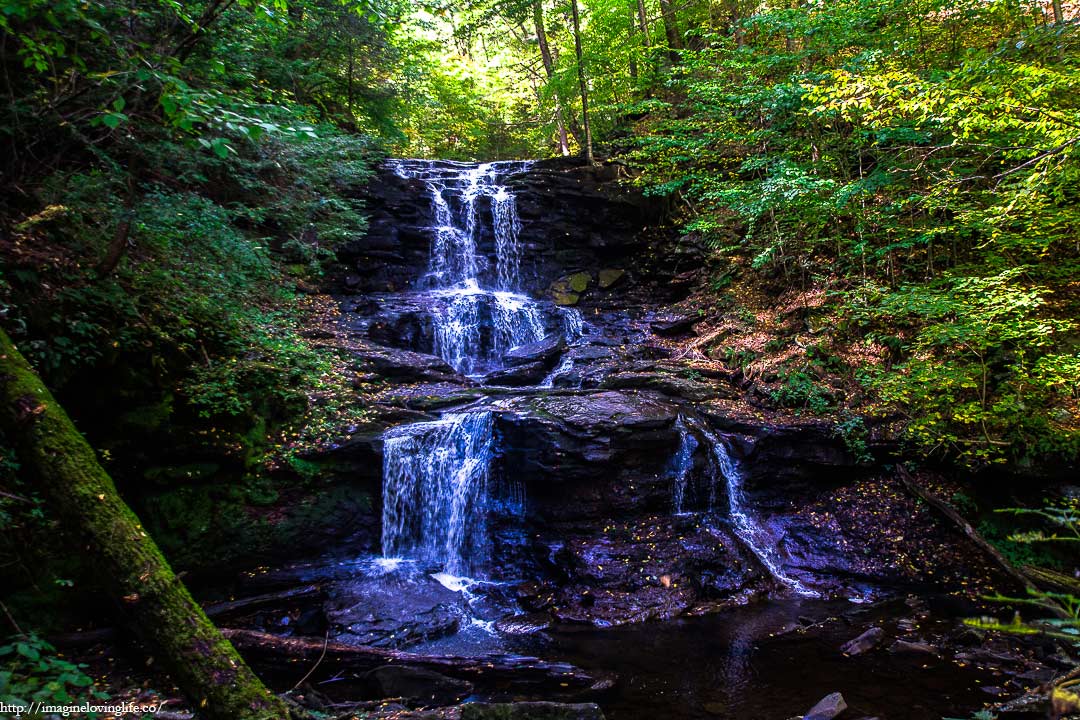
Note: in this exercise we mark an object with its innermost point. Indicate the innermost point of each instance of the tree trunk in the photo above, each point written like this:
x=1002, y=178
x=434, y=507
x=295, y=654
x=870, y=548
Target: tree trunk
x=293, y=656
x=587, y=148
x=643, y=22
x=549, y=70
x=631, y=32
x=671, y=30
x=202, y=662
x=119, y=243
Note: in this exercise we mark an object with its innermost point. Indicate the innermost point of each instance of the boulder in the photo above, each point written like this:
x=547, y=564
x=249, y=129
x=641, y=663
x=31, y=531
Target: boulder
x=669, y=324
x=865, y=642
x=531, y=711
x=913, y=648
x=543, y=351
x=420, y=685
x=407, y=365
x=579, y=282
x=392, y=611
x=608, y=277
x=827, y=708
x=527, y=374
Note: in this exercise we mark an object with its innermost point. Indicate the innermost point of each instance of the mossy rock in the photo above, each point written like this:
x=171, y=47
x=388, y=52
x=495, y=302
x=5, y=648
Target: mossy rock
x=566, y=299
x=609, y=276
x=579, y=282
x=562, y=293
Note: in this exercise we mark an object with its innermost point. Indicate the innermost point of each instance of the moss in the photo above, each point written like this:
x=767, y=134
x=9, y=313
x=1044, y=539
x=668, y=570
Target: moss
x=201, y=661
x=579, y=282
x=566, y=299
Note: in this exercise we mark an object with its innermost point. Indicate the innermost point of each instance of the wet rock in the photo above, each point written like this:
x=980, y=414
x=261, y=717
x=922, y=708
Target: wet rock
x=651, y=568
x=608, y=277
x=670, y=324
x=531, y=711
x=393, y=611
x=586, y=456
x=527, y=624
x=542, y=351
x=518, y=375
x=865, y=642
x=407, y=365
x=914, y=648
x=827, y=708
x=419, y=685
x=667, y=384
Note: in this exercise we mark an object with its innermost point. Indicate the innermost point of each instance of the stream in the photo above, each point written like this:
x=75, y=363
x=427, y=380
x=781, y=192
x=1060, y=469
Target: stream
x=565, y=508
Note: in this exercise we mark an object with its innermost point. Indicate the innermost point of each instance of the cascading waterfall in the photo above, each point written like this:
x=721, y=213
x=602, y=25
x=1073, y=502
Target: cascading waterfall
x=479, y=313
x=745, y=525
x=573, y=323
x=436, y=475
x=435, y=478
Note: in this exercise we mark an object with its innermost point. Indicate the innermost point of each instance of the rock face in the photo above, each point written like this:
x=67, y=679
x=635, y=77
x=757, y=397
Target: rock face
x=655, y=567
x=542, y=351
x=576, y=218
x=590, y=455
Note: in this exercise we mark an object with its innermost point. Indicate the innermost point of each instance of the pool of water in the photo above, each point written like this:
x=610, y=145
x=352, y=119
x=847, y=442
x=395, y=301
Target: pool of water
x=749, y=664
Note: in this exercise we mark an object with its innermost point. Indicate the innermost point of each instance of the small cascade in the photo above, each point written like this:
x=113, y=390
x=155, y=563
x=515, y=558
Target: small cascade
x=435, y=480
x=573, y=323
x=507, y=248
x=474, y=327
x=746, y=526
x=682, y=465
x=565, y=365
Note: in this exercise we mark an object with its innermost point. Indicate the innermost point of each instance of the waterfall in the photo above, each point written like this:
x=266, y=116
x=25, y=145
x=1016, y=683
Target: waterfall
x=682, y=465
x=473, y=328
x=746, y=526
x=435, y=478
x=507, y=248
x=573, y=323
x=479, y=313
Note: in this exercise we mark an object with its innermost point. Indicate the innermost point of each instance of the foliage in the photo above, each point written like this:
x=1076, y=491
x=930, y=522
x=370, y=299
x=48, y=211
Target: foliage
x=928, y=178
x=35, y=673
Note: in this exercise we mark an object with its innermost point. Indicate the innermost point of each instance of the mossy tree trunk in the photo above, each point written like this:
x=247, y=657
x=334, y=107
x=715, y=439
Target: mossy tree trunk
x=161, y=610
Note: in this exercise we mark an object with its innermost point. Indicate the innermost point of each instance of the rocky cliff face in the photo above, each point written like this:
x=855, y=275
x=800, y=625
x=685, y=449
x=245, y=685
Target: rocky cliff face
x=625, y=477
x=574, y=218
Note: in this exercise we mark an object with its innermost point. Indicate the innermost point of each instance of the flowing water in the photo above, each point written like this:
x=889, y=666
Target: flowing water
x=435, y=482
x=436, y=475
x=478, y=311
x=438, y=584
x=753, y=534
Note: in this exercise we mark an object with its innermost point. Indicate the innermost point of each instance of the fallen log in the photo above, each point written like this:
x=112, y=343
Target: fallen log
x=299, y=654
x=982, y=543
x=94, y=636
x=231, y=606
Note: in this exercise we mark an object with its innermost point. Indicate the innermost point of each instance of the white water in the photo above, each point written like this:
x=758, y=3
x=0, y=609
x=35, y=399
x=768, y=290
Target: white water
x=682, y=465
x=746, y=527
x=437, y=484
x=435, y=478
x=478, y=314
